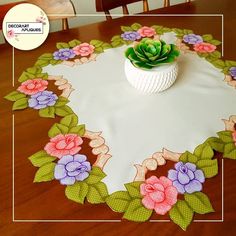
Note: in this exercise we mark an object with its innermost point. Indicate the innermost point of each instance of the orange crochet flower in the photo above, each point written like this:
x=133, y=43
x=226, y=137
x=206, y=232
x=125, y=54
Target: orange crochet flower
x=61, y=145
x=159, y=194
x=84, y=49
x=33, y=86
x=146, y=31
x=204, y=47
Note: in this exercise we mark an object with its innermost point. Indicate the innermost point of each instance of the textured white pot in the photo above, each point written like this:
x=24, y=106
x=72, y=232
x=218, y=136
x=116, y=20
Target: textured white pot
x=151, y=81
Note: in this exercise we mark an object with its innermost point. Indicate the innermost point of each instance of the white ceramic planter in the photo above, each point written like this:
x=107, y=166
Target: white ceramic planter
x=151, y=81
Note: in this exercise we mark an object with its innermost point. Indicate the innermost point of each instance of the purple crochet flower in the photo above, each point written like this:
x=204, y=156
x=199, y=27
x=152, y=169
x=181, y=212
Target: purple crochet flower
x=186, y=178
x=232, y=71
x=70, y=169
x=42, y=99
x=192, y=38
x=131, y=35
x=63, y=54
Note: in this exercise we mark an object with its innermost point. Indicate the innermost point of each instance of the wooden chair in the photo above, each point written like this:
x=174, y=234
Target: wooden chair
x=60, y=10
x=4, y=8
x=106, y=5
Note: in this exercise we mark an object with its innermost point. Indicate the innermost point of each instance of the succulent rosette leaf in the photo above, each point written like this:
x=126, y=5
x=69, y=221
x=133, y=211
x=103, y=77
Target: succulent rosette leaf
x=151, y=53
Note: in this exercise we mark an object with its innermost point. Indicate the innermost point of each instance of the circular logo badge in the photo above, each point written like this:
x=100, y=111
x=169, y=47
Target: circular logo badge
x=25, y=26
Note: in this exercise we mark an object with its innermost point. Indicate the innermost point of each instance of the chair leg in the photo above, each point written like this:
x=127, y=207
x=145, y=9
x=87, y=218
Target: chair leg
x=145, y=5
x=125, y=10
x=108, y=16
x=65, y=25
x=166, y=3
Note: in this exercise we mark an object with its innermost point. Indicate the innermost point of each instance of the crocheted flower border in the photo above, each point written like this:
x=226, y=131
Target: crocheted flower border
x=83, y=180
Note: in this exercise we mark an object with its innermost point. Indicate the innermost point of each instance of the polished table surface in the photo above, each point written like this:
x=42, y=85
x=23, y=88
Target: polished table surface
x=46, y=201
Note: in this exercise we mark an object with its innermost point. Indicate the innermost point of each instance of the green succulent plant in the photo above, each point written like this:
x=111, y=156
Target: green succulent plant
x=149, y=53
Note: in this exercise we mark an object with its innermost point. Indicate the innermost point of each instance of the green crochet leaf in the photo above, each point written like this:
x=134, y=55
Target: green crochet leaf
x=97, y=193
x=45, y=173
x=48, y=112
x=95, y=176
x=166, y=29
x=202, y=54
x=20, y=104
x=74, y=43
x=136, y=26
x=133, y=189
x=26, y=76
x=230, y=63
x=181, y=214
x=80, y=130
x=115, y=44
x=116, y=38
x=55, y=62
x=230, y=151
x=126, y=28
x=187, y=31
x=46, y=56
x=119, y=201
x=69, y=120
x=61, y=45
x=215, y=42
x=216, y=54
x=42, y=75
x=207, y=37
x=225, y=136
x=63, y=111
x=209, y=167
x=188, y=157
x=137, y=212
x=14, y=96
x=77, y=192
x=41, y=158
x=34, y=70
x=181, y=32
x=225, y=70
x=199, y=202
x=219, y=63
x=158, y=28
x=99, y=50
x=216, y=144
x=42, y=62
x=57, y=129
x=61, y=101
x=96, y=43
x=106, y=46
x=204, y=151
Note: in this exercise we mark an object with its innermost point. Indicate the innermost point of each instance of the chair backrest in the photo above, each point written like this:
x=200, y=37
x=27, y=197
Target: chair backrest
x=4, y=8
x=60, y=8
x=106, y=5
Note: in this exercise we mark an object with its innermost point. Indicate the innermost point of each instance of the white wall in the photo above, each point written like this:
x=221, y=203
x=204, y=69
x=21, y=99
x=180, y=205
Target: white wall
x=88, y=7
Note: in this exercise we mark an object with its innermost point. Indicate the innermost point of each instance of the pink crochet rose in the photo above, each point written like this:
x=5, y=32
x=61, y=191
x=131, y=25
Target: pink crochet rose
x=146, y=31
x=41, y=19
x=61, y=145
x=234, y=137
x=10, y=34
x=204, y=47
x=33, y=86
x=159, y=194
x=84, y=49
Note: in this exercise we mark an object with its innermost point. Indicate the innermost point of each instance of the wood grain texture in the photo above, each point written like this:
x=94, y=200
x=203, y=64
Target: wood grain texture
x=45, y=201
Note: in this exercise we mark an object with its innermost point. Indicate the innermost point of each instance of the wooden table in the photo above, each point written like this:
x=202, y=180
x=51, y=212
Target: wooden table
x=46, y=201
